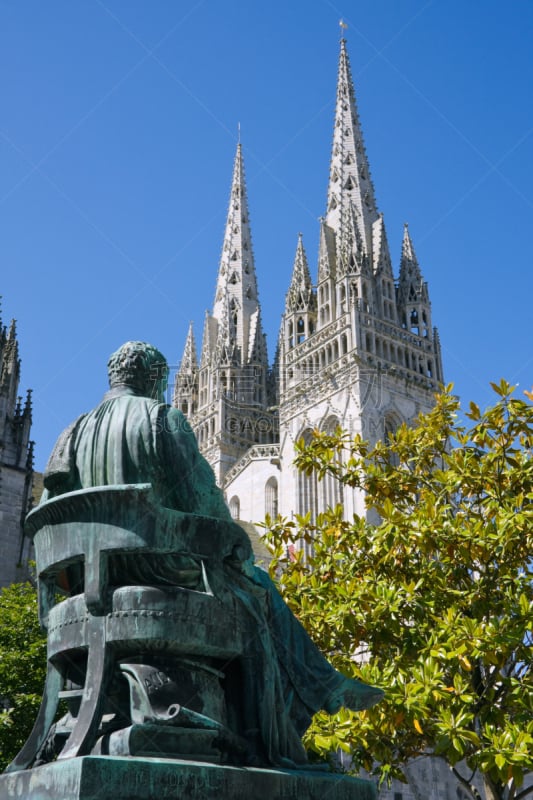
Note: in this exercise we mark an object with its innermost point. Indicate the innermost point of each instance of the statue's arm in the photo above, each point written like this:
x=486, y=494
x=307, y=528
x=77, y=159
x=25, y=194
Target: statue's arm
x=189, y=472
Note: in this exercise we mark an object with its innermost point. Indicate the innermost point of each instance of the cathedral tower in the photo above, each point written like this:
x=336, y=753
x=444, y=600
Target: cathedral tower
x=356, y=350
x=374, y=360
x=225, y=396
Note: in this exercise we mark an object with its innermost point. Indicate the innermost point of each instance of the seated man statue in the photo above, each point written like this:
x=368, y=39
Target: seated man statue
x=133, y=437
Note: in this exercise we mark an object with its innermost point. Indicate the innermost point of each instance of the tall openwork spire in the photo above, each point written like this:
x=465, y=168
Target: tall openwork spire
x=236, y=306
x=350, y=189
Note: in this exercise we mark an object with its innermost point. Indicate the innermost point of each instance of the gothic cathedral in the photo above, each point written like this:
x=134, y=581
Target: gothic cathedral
x=357, y=349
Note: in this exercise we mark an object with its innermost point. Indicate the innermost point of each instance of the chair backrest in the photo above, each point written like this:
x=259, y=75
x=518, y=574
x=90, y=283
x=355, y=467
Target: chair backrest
x=89, y=525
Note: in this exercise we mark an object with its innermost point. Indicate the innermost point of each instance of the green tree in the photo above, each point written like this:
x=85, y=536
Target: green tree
x=22, y=667
x=434, y=601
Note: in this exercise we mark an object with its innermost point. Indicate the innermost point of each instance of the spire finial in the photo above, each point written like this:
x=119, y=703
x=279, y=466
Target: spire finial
x=343, y=26
x=238, y=133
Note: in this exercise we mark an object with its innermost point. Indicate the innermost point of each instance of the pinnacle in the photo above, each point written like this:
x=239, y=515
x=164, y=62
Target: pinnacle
x=189, y=361
x=300, y=293
x=409, y=260
x=12, y=335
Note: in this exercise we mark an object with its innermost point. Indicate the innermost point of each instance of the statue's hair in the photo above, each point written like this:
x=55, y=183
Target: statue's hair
x=138, y=365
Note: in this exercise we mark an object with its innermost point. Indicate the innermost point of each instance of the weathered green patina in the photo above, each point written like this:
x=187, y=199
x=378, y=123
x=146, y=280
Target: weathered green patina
x=170, y=642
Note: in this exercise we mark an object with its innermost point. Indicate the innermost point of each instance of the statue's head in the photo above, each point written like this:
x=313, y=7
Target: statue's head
x=141, y=367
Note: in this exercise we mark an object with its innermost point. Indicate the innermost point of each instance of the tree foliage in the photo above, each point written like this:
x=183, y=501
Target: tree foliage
x=435, y=599
x=22, y=667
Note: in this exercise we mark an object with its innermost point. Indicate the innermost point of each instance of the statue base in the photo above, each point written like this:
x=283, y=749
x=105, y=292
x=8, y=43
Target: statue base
x=115, y=778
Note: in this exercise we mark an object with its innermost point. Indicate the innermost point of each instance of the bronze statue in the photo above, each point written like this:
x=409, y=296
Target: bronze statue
x=200, y=656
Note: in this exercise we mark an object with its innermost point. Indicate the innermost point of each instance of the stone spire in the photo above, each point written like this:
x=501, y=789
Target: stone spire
x=186, y=385
x=326, y=253
x=350, y=187
x=300, y=296
x=16, y=461
x=299, y=319
x=413, y=297
x=208, y=340
x=189, y=361
x=10, y=373
x=236, y=306
x=380, y=250
x=230, y=408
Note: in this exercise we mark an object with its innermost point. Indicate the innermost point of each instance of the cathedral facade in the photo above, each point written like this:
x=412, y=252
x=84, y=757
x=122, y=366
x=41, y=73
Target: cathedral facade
x=16, y=462
x=356, y=347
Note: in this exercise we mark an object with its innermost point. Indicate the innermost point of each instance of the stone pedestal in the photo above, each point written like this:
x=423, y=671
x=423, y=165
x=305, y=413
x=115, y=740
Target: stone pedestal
x=115, y=778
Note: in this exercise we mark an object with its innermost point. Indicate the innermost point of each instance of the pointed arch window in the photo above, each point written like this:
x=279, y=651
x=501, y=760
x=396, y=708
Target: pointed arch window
x=350, y=183
x=331, y=494
x=333, y=204
x=235, y=507
x=349, y=158
x=300, y=330
x=344, y=344
x=291, y=334
x=342, y=298
x=234, y=279
x=390, y=426
x=308, y=486
x=271, y=498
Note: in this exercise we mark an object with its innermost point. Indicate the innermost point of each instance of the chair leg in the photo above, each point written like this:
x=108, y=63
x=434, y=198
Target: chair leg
x=99, y=668
x=43, y=723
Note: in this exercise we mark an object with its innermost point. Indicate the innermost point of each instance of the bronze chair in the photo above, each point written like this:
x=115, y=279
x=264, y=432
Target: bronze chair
x=145, y=646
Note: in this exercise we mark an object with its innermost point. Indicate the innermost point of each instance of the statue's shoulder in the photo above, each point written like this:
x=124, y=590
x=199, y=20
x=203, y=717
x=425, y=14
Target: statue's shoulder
x=60, y=472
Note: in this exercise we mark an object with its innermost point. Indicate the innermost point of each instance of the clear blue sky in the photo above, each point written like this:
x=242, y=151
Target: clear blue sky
x=118, y=127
